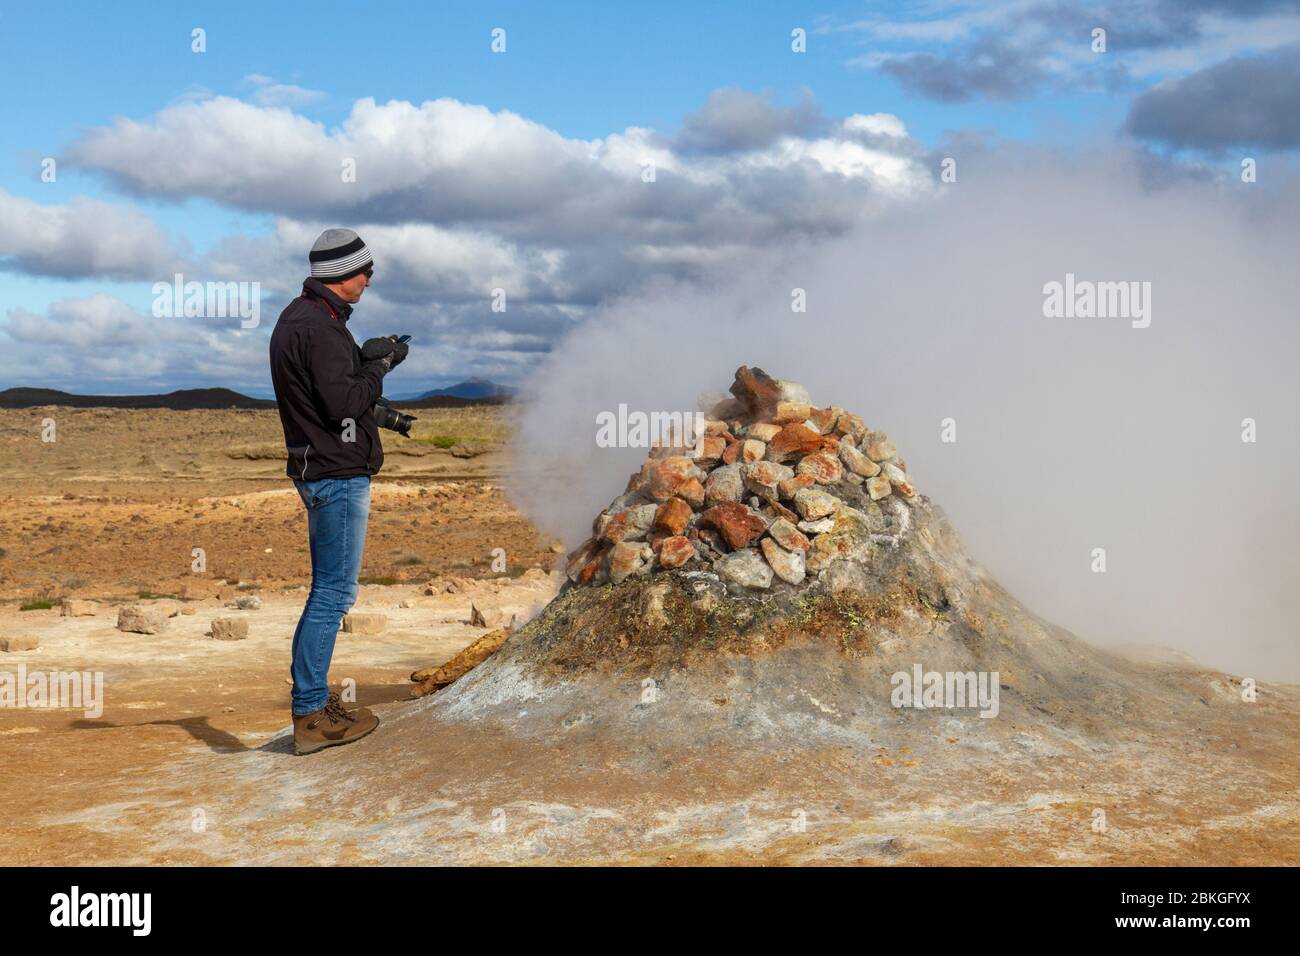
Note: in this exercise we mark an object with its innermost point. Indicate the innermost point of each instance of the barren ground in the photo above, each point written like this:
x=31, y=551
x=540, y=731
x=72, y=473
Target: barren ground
x=188, y=764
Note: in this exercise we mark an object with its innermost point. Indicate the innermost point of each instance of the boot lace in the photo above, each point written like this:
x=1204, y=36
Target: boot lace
x=334, y=709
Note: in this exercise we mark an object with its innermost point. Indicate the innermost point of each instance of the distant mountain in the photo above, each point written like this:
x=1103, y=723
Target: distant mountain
x=199, y=398
x=183, y=399
x=470, y=388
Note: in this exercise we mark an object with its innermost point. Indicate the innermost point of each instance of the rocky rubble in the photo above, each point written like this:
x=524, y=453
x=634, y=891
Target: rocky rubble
x=779, y=489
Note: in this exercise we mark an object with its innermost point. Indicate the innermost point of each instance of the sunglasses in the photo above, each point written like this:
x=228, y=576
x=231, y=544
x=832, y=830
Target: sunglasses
x=369, y=274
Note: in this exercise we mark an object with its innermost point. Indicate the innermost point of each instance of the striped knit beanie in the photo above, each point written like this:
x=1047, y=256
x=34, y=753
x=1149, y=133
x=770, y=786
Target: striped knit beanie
x=339, y=254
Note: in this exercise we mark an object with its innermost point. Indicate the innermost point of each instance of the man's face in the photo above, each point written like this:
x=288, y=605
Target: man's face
x=350, y=290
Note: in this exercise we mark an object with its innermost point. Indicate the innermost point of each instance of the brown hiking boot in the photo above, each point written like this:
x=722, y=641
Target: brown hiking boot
x=356, y=711
x=330, y=726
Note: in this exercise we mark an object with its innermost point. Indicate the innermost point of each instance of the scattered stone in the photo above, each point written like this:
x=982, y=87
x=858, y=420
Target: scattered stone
x=737, y=524
x=369, y=622
x=788, y=536
x=724, y=484
x=188, y=611
x=793, y=441
x=673, y=516
x=229, y=628
x=813, y=503
x=850, y=425
x=752, y=450
x=141, y=620
x=25, y=642
x=676, y=551
x=789, y=566
x=74, y=607
x=789, y=412
x=668, y=475
x=849, y=538
x=711, y=449
x=878, y=487
x=779, y=510
x=825, y=469
x=789, y=486
x=893, y=472
x=819, y=526
x=489, y=618
x=763, y=431
x=881, y=448
x=627, y=558
x=249, y=602
x=746, y=568
x=713, y=540
x=631, y=524
x=764, y=477
x=823, y=419
x=693, y=491
x=757, y=392
x=857, y=462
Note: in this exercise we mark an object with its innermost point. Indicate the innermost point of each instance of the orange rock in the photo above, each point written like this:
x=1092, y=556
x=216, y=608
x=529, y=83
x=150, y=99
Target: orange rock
x=668, y=475
x=823, y=467
x=789, y=486
x=676, y=551
x=737, y=524
x=824, y=418
x=757, y=391
x=712, y=448
x=791, y=412
x=793, y=441
x=672, y=516
x=693, y=492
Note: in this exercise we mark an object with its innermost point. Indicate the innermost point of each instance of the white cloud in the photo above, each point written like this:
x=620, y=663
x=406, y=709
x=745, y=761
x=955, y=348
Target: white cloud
x=83, y=237
x=98, y=320
x=267, y=92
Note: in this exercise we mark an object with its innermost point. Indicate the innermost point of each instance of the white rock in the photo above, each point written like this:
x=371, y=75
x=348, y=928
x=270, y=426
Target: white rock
x=812, y=503
x=787, y=565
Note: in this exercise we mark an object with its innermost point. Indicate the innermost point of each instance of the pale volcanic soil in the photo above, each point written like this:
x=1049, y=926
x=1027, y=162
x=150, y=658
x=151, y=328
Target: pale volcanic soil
x=757, y=745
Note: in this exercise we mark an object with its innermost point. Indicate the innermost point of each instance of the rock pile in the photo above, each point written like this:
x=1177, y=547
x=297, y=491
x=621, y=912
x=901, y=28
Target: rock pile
x=778, y=490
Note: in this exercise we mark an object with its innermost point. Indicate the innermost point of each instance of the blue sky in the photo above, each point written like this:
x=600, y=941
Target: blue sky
x=734, y=119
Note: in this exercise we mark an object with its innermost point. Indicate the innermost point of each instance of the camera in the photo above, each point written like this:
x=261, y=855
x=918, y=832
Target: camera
x=389, y=417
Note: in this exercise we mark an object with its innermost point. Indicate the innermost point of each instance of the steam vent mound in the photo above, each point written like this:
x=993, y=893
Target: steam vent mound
x=719, y=679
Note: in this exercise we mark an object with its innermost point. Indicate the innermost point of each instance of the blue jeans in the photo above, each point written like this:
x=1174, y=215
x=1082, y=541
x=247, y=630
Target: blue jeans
x=337, y=513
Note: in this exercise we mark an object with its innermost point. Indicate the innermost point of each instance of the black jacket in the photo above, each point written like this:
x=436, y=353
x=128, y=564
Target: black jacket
x=319, y=381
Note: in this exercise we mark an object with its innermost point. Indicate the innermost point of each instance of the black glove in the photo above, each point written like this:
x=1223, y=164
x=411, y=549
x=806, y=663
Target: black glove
x=400, y=350
x=386, y=352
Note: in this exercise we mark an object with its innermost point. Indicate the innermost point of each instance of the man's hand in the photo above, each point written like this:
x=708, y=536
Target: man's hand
x=386, y=352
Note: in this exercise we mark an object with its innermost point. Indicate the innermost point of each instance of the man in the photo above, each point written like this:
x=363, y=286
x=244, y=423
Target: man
x=326, y=388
